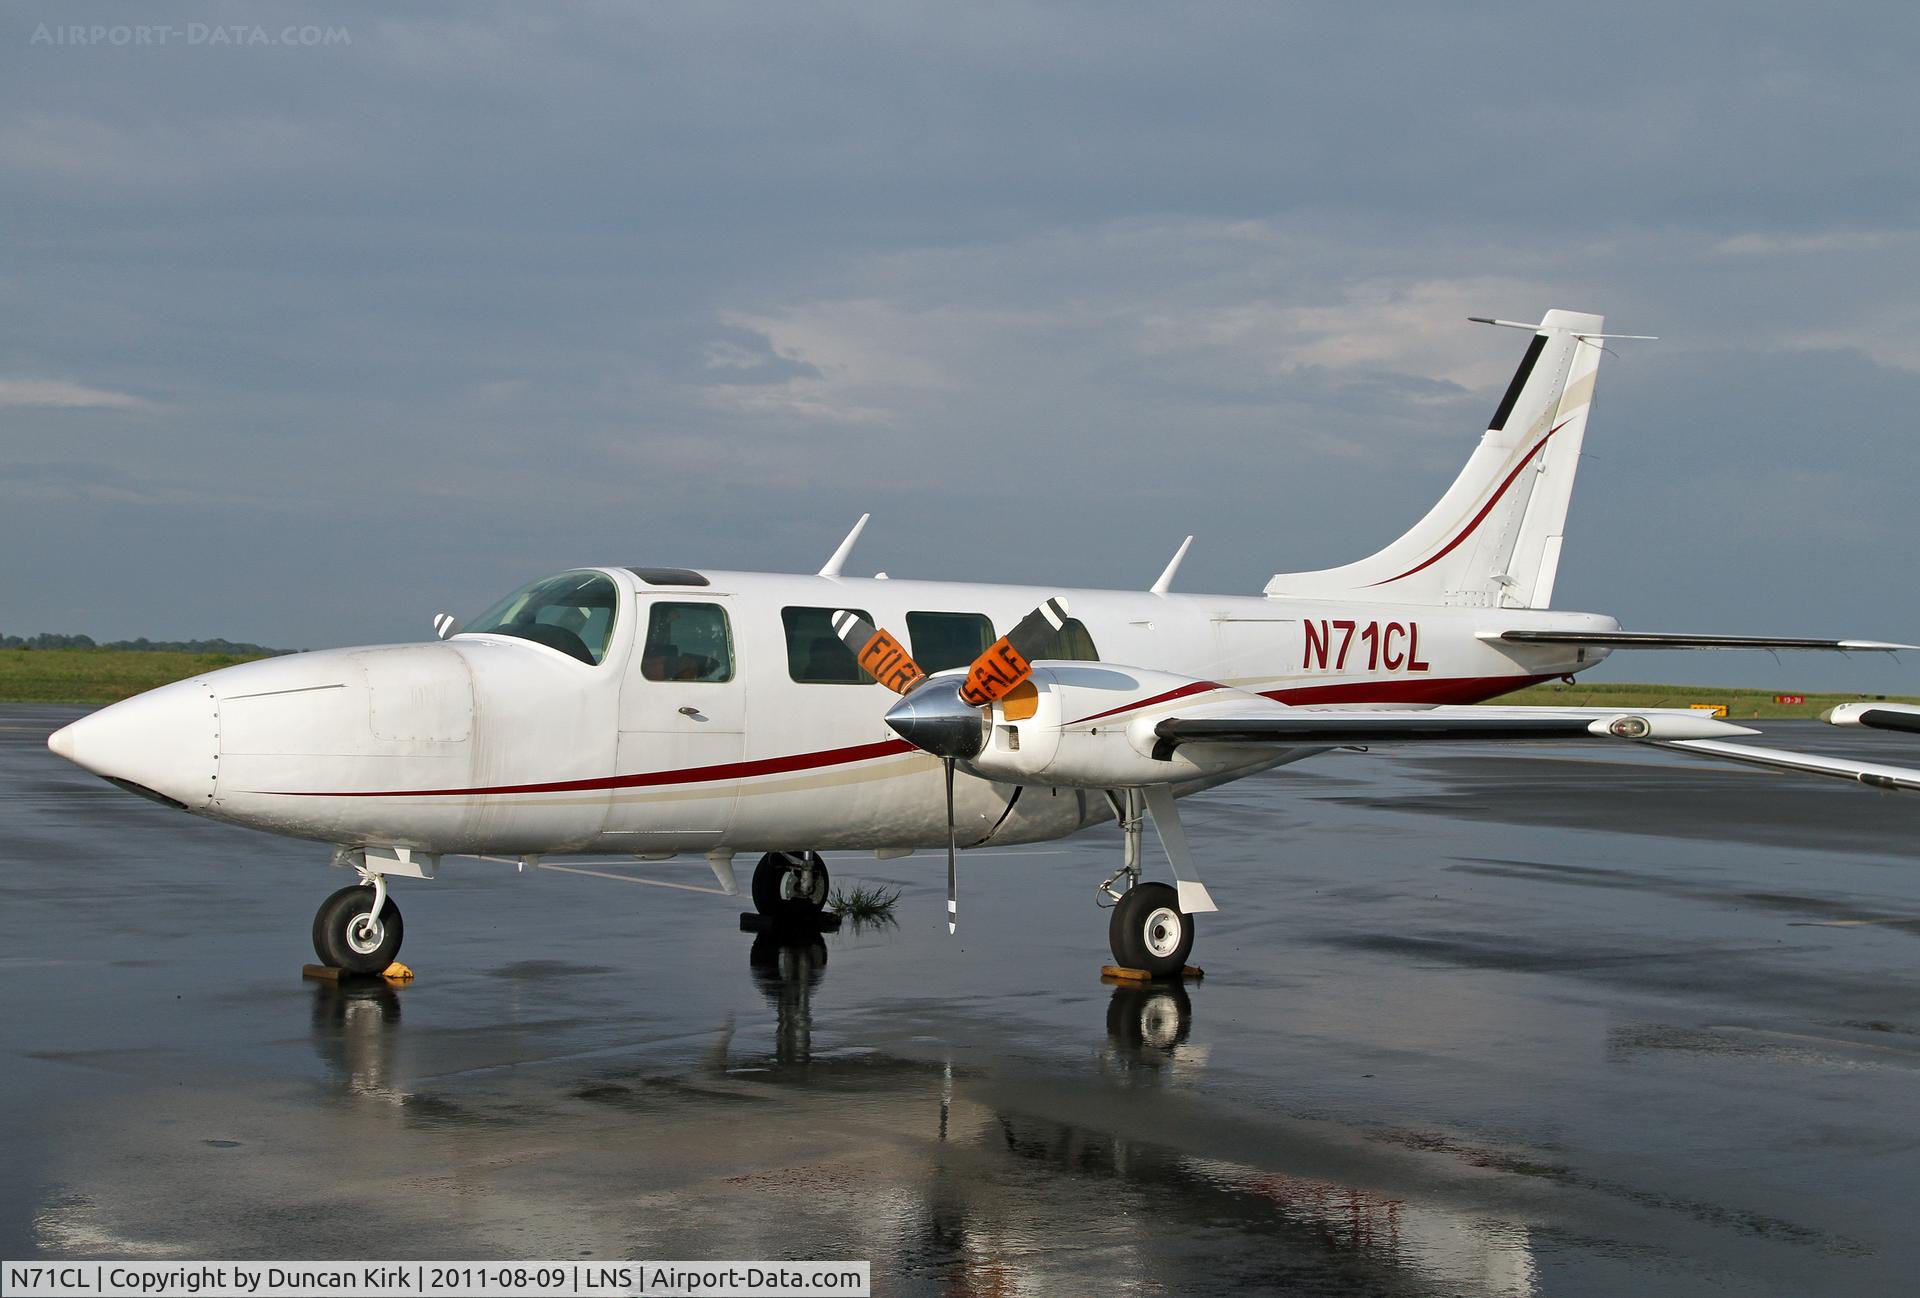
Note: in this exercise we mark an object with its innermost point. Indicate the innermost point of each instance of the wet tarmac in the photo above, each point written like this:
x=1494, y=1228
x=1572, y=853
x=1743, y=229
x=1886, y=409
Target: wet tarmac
x=1473, y=1023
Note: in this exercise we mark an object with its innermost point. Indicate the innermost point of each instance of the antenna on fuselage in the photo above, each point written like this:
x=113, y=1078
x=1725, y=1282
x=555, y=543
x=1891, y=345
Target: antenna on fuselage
x=832, y=566
x=1161, y=586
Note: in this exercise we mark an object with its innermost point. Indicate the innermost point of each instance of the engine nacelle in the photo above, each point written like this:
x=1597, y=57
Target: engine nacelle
x=1091, y=726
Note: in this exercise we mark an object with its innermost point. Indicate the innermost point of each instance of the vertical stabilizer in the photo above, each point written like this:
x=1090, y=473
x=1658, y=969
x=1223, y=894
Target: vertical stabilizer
x=1493, y=541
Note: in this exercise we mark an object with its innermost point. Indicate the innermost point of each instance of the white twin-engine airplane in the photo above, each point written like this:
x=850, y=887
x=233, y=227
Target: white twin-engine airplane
x=647, y=712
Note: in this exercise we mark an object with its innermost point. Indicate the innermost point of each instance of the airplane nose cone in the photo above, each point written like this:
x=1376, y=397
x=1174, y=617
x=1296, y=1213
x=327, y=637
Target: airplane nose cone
x=61, y=742
x=164, y=744
x=935, y=719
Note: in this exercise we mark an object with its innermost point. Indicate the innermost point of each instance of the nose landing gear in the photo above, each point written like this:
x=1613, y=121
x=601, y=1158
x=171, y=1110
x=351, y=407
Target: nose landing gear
x=790, y=887
x=358, y=929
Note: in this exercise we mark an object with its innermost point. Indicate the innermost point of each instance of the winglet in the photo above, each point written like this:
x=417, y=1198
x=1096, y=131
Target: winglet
x=1165, y=583
x=832, y=566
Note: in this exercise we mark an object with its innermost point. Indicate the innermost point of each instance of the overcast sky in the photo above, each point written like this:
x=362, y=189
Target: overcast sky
x=300, y=343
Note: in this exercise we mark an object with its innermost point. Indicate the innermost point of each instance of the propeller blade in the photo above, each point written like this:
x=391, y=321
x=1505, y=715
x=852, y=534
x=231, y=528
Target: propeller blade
x=883, y=657
x=953, y=873
x=1009, y=660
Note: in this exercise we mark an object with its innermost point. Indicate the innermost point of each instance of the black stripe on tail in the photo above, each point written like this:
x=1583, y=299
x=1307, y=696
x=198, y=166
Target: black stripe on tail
x=1520, y=377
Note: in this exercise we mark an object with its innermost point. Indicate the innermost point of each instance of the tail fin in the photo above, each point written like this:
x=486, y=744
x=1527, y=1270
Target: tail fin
x=1493, y=541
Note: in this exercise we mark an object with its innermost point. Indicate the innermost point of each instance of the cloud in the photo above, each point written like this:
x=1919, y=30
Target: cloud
x=835, y=362
x=1415, y=329
x=1887, y=333
x=617, y=283
x=155, y=154
x=1779, y=245
x=68, y=483
x=63, y=395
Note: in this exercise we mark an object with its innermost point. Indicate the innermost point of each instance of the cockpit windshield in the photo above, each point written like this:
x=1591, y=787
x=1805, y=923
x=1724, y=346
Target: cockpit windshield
x=572, y=612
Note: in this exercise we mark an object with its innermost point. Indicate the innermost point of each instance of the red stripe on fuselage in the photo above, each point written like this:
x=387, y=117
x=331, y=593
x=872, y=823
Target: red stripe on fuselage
x=649, y=779
x=1484, y=509
x=1460, y=689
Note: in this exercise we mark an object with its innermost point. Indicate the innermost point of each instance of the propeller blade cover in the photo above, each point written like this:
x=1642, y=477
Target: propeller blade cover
x=1009, y=660
x=878, y=653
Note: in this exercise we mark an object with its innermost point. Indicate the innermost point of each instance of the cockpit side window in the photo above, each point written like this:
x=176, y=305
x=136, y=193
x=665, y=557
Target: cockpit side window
x=943, y=640
x=573, y=612
x=687, y=642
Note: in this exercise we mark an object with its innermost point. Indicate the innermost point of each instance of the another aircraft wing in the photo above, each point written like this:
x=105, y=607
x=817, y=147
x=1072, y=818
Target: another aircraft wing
x=1667, y=640
x=1877, y=774
x=1876, y=716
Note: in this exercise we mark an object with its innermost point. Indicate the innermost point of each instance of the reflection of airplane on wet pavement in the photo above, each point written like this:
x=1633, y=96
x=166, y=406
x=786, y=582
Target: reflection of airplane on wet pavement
x=959, y=1145
x=648, y=711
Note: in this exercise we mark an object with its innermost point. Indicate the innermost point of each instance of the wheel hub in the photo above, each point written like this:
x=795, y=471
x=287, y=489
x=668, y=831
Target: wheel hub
x=365, y=933
x=802, y=884
x=1162, y=931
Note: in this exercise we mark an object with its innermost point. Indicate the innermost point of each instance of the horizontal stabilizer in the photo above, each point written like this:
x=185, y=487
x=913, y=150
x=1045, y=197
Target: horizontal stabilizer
x=1665, y=640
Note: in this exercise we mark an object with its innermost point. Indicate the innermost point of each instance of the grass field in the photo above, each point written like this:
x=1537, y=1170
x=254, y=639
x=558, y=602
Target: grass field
x=95, y=675
x=108, y=675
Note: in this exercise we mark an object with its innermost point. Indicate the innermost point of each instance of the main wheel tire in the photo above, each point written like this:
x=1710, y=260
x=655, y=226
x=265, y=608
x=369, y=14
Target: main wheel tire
x=1149, y=931
x=776, y=887
x=347, y=935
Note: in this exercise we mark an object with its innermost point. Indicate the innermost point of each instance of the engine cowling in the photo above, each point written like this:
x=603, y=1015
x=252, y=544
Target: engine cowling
x=1091, y=726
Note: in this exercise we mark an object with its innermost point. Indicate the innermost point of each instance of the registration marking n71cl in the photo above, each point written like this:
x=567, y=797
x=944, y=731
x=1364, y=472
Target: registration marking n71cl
x=1393, y=647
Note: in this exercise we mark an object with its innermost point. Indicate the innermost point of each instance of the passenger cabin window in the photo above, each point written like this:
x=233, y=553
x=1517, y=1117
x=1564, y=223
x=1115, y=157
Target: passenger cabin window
x=1071, y=643
x=687, y=642
x=815, y=655
x=572, y=612
x=943, y=640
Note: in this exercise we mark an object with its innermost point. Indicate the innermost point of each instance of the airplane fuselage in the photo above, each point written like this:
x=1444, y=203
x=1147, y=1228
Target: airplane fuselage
x=493, y=744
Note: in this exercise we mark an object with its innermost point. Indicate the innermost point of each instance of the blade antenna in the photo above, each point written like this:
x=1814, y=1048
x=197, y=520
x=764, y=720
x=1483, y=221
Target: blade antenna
x=953, y=881
x=1165, y=583
x=838, y=559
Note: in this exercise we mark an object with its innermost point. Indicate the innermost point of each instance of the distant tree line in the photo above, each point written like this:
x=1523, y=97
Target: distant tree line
x=142, y=645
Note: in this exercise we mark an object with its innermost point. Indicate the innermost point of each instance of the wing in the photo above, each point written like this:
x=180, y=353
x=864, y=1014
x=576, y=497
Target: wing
x=1280, y=725
x=1670, y=728
x=1666, y=640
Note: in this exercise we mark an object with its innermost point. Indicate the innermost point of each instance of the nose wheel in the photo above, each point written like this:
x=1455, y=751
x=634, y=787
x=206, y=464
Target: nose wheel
x=790, y=887
x=358, y=930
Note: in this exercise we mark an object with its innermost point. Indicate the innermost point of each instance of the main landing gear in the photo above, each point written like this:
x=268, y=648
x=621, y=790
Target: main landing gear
x=1151, y=927
x=790, y=887
x=358, y=929
x=1149, y=931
